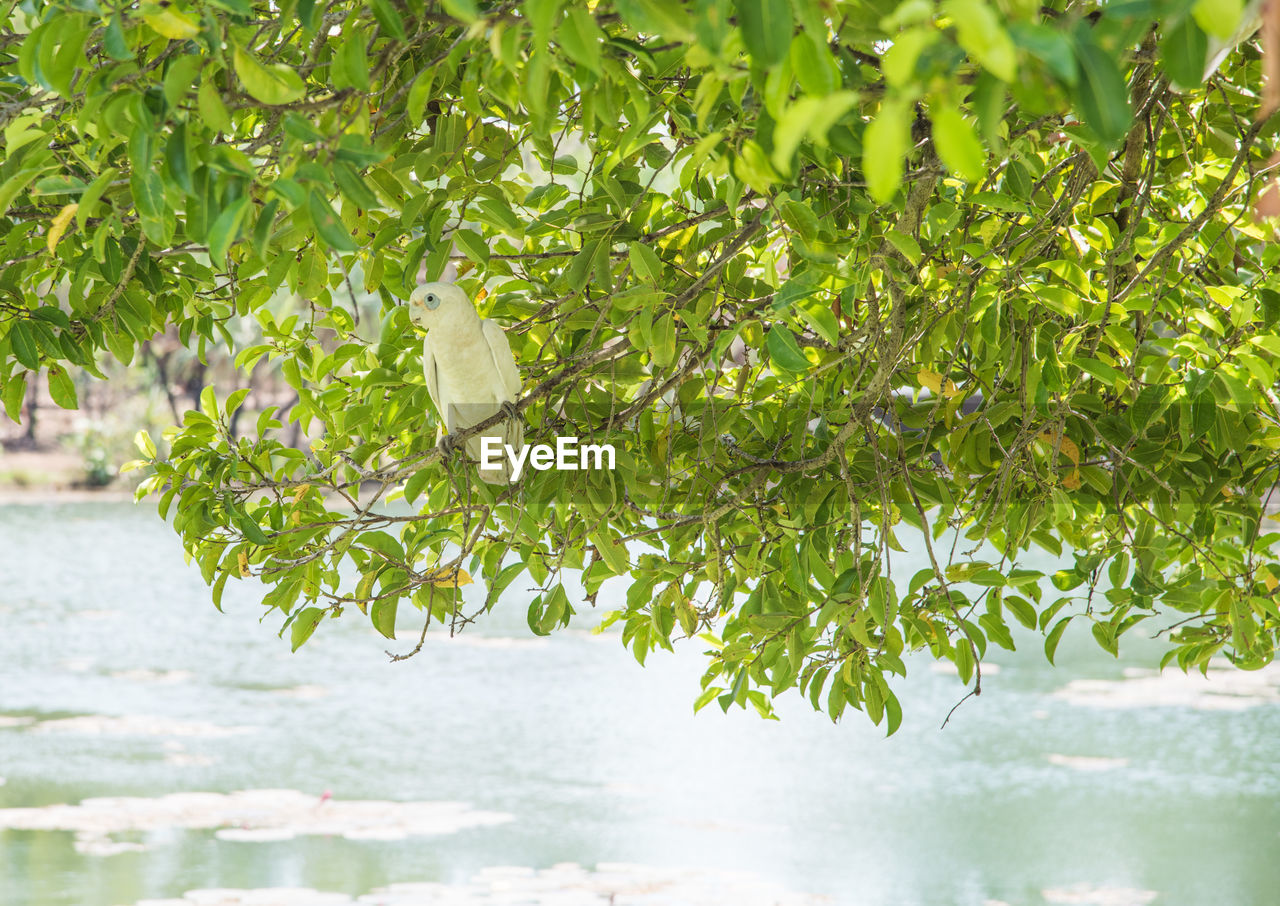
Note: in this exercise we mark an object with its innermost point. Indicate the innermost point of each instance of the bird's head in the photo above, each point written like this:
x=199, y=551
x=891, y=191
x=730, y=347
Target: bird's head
x=435, y=303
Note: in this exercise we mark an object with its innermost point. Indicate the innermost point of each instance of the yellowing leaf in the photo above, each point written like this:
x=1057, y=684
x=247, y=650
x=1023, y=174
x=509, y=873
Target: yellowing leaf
x=453, y=580
x=1072, y=481
x=302, y=489
x=243, y=560
x=58, y=225
x=930, y=380
x=170, y=22
x=1066, y=446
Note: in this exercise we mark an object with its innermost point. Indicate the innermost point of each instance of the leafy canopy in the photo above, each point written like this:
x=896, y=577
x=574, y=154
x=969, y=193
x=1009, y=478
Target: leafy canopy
x=817, y=269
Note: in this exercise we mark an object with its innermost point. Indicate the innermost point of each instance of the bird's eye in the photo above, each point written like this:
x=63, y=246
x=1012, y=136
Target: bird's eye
x=432, y=301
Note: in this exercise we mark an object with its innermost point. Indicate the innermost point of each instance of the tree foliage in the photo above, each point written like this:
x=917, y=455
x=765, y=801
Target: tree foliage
x=819, y=270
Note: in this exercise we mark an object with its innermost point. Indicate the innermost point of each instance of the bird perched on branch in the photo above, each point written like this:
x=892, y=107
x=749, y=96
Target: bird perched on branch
x=470, y=371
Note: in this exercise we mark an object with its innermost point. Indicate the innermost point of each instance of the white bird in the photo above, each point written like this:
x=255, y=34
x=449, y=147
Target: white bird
x=470, y=371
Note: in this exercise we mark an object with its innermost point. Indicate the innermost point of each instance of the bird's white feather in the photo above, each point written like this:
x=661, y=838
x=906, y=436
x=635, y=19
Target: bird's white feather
x=503, y=360
x=430, y=372
x=469, y=370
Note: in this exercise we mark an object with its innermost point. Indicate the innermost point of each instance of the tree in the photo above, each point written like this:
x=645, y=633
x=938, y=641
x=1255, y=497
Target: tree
x=817, y=270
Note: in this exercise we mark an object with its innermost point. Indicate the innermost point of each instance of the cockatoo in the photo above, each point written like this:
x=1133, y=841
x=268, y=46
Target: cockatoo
x=471, y=373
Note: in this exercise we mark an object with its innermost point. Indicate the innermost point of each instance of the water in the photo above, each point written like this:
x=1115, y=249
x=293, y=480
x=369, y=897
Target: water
x=594, y=758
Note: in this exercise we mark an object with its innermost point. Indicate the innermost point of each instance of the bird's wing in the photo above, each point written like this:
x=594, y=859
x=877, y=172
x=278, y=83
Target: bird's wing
x=432, y=373
x=503, y=360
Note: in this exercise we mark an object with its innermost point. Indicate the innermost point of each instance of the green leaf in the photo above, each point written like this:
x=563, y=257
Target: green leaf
x=1054, y=637
x=1105, y=635
x=907, y=245
x=1183, y=51
x=169, y=21
x=807, y=118
x=800, y=217
x=419, y=94
x=752, y=167
x=62, y=388
x=355, y=149
x=957, y=145
x=146, y=446
x=784, y=351
x=1100, y=370
x=353, y=185
x=148, y=193
x=766, y=29
x=1022, y=610
x=885, y=146
x=182, y=73
x=664, y=340
x=814, y=66
x=226, y=229
x=707, y=697
x=175, y=159
x=900, y=60
x=983, y=37
x=114, y=42
x=463, y=10
x=212, y=111
x=304, y=624
x=13, y=391
x=645, y=263
x=472, y=245
x=355, y=65
x=580, y=37
x=892, y=709
x=89, y=200
x=1050, y=46
x=822, y=319
x=262, y=230
x=328, y=226
x=1102, y=95
x=391, y=24
x=274, y=84
x=383, y=615
x=1219, y=18
x=611, y=551
x=24, y=344
x=579, y=270
x=300, y=127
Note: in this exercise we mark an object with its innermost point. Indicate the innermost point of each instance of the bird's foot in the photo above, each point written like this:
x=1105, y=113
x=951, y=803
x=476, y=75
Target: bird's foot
x=509, y=410
x=447, y=445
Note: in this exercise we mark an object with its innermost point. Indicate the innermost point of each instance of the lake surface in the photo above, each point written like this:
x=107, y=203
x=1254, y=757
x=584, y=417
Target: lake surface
x=118, y=678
